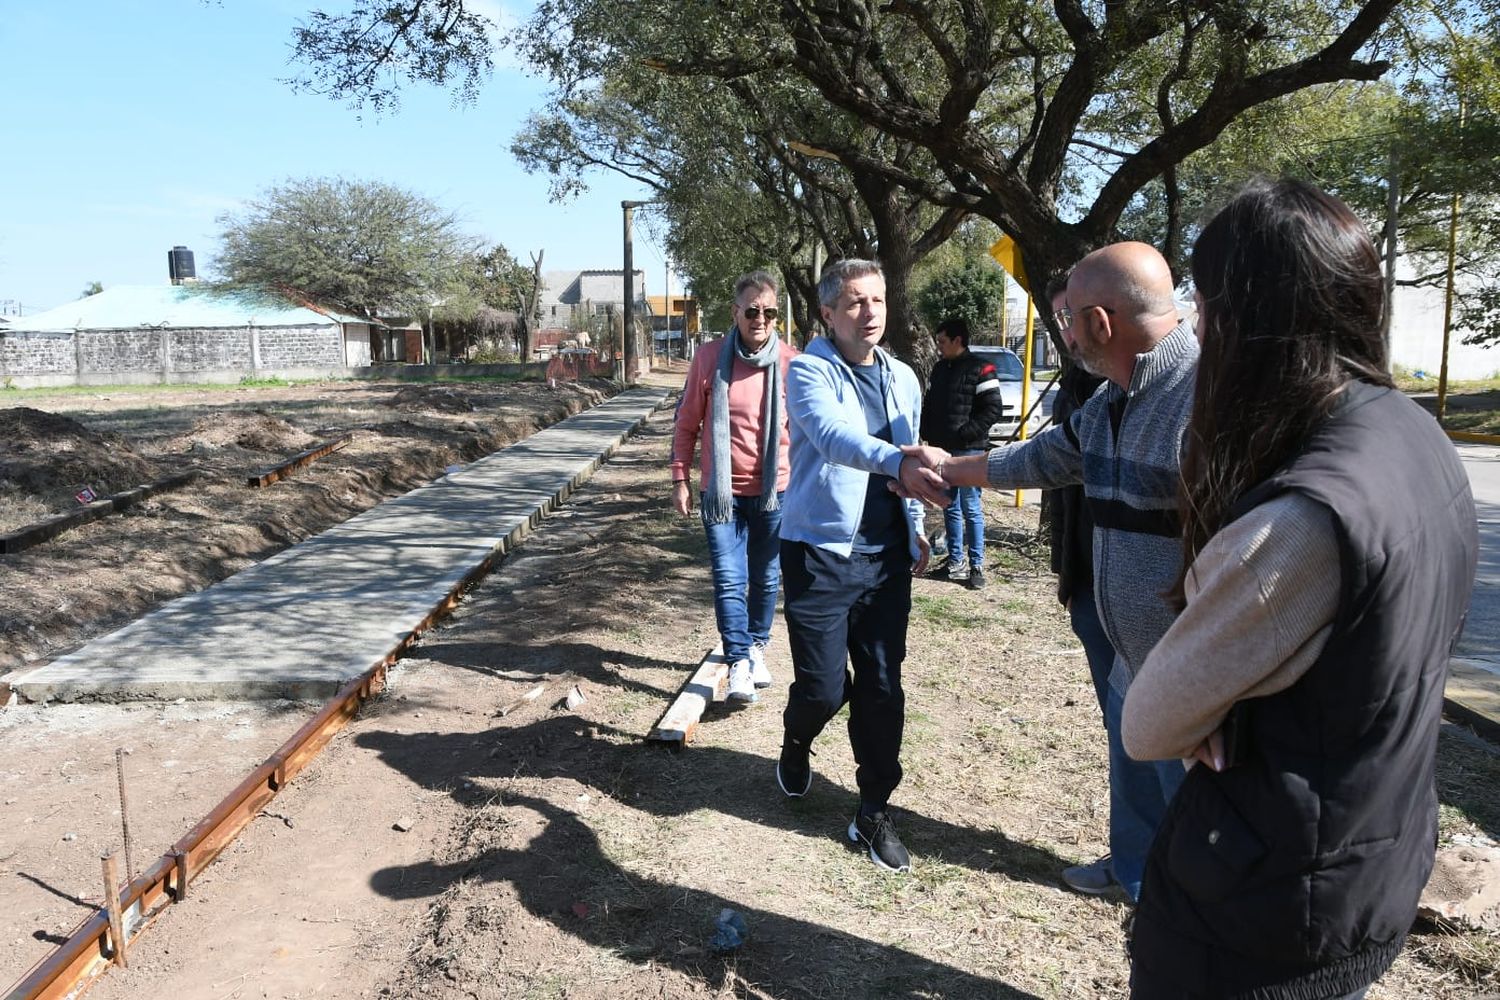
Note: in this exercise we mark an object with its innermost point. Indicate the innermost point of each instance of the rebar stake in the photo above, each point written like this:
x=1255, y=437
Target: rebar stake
x=124, y=814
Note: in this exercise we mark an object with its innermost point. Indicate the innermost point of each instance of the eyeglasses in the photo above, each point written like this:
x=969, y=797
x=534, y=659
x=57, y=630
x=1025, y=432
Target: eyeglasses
x=1064, y=316
x=755, y=312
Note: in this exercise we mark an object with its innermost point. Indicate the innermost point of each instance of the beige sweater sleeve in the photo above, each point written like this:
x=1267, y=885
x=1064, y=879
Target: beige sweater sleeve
x=1261, y=598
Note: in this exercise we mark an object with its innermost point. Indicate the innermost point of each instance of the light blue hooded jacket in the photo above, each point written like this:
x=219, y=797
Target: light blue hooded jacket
x=833, y=454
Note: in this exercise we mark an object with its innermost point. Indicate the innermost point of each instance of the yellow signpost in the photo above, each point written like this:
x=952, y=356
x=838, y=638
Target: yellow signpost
x=1008, y=255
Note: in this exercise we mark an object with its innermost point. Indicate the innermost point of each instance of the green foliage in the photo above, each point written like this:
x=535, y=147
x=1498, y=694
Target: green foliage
x=973, y=292
x=92, y=288
x=1433, y=125
x=492, y=354
x=1063, y=124
x=358, y=53
x=721, y=207
x=263, y=382
x=362, y=246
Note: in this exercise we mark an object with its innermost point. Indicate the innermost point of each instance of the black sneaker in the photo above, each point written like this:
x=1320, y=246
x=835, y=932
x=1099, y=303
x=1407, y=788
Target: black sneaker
x=793, y=770
x=975, y=580
x=878, y=833
x=947, y=571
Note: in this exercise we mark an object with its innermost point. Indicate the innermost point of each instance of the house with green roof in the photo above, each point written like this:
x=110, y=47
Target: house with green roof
x=185, y=333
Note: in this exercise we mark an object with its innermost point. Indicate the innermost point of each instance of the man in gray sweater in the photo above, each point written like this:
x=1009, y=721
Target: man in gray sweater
x=1124, y=447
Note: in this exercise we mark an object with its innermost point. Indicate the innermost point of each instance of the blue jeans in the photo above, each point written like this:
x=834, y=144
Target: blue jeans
x=1139, y=792
x=963, y=522
x=1090, y=631
x=744, y=555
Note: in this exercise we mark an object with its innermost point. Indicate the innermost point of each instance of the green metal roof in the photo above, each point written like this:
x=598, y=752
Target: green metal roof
x=128, y=307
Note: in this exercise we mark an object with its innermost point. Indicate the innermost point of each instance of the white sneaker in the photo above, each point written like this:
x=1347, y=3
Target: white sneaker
x=741, y=687
x=759, y=672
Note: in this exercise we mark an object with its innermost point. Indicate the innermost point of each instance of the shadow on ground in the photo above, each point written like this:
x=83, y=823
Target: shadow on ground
x=654, y=920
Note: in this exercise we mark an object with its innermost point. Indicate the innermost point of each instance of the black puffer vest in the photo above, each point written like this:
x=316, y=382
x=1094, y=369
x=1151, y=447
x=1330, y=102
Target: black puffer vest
x=955, y=416
x=1294, y=875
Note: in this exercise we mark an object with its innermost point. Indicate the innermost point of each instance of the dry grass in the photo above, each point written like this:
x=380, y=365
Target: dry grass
x=591, y=865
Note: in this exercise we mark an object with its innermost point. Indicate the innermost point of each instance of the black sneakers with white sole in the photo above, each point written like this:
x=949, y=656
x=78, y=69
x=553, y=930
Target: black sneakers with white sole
x=794, y=770
x=878, y=833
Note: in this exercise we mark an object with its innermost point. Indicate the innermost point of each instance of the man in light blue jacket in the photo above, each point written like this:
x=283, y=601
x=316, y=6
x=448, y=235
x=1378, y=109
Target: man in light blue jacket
x=849, y=547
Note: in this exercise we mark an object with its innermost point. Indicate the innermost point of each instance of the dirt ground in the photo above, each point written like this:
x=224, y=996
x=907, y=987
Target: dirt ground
x=553, y=854
x=99, y=576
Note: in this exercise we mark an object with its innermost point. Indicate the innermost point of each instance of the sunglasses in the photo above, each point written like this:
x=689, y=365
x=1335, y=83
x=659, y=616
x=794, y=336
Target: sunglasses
x=754, y=312
x=1064, y=316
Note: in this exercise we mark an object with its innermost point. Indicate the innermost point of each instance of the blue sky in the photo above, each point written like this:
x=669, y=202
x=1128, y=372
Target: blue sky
x=129, y=126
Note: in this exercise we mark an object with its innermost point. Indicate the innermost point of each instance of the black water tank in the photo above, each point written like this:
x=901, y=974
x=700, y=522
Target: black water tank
x=180, y=264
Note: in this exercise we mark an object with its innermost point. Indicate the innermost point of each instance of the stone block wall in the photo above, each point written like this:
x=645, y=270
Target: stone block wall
x=301, y=347
x=123, y=351
x=37, y=354
x=209, y=350
x=96, y=356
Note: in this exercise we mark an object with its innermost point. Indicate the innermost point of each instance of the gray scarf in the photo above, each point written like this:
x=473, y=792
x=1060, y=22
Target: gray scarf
x=718, y=498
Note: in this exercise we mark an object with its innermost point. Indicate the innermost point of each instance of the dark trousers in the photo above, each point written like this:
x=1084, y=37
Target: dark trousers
x=841, y=612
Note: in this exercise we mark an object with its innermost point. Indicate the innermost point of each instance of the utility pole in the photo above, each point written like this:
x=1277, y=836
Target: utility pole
x=628, y=336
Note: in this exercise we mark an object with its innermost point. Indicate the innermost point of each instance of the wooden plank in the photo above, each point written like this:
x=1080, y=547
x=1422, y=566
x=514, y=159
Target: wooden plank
x=129, y=498
x=296, y=462
x=708, y=684
x=112, y=905
x=44, y=531
x=1473, y=695
x=1470, y=437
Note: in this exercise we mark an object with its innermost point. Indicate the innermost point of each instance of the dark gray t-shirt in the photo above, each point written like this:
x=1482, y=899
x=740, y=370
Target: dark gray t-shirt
x=883, y=523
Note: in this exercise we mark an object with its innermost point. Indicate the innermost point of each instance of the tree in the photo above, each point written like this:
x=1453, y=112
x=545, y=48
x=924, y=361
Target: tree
x=972, y=292
x=1439, y=141
x=487, y=301
x=92, y=288
x=726, y=204
x=362, y=246
x=1048, y=120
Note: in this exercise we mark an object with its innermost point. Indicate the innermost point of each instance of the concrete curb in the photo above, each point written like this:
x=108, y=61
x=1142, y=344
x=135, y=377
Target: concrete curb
x=1472, y=695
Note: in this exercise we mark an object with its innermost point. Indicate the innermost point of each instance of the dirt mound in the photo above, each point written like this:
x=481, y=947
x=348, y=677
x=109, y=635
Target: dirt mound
x=52, y=456
x=256, y=430
x=431, y=397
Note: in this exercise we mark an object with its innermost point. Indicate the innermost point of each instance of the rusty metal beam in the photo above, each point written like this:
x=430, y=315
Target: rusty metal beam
x=296, y=462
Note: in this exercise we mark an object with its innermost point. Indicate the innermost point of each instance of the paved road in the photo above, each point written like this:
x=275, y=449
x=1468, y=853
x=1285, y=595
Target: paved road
x=1473, y=691
x=1481, y=638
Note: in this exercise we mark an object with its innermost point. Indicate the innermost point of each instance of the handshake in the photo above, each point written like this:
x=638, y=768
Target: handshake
x=929, y=474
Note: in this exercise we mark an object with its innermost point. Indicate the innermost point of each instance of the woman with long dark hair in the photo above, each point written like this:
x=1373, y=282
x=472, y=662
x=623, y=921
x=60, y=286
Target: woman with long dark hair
x=1329, y=553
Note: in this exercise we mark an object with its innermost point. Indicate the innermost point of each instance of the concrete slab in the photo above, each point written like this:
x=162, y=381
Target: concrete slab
x=314, y=616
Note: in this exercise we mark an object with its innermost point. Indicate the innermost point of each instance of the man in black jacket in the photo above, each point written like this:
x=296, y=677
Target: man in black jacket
x=962, y=402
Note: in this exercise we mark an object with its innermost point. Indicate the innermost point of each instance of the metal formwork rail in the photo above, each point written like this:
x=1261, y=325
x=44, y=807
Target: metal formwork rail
x=90, y=949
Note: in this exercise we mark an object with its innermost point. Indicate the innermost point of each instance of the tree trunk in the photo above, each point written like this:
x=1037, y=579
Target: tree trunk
x=531, y=307
x=802, y=325
x=894, y=234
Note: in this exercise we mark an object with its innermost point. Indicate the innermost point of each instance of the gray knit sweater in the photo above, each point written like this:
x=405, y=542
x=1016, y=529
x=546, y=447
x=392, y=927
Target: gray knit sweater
x=1129, y=479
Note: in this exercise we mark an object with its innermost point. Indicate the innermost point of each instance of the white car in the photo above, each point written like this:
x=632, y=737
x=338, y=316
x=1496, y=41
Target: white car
x=1010, y=370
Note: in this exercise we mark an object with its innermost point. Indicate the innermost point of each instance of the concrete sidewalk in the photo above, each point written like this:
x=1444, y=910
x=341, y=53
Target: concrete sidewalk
x=309, y=619
x=1473, y=692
